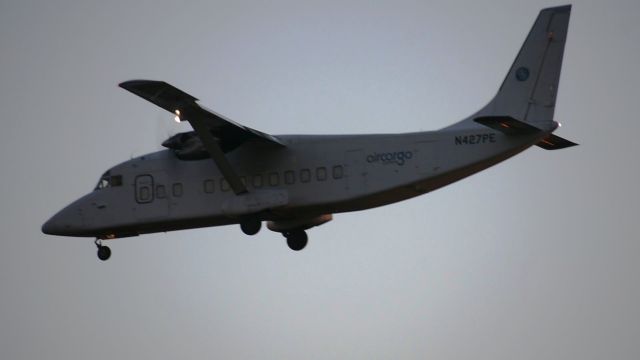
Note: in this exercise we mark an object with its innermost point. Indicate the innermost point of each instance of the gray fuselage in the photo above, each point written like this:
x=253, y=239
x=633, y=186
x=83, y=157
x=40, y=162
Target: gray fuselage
x=311, y=176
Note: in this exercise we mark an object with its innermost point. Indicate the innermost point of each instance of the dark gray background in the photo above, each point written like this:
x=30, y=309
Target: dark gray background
x=536, y=258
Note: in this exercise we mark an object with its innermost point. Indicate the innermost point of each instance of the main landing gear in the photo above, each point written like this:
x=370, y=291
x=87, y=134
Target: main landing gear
x=251, y=226
x=104, y=253
x=296, y=239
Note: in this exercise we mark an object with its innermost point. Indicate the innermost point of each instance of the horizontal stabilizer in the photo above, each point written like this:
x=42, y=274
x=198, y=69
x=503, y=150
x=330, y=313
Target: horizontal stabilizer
x=553, y=142
x=507, y=125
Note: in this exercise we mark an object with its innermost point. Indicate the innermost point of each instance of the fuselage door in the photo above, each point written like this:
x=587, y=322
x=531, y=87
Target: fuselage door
x=144, y=189
x=151, y=196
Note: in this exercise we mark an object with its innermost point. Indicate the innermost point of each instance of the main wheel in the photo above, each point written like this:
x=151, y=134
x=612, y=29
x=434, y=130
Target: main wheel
x=104, y=253
x=251, y=226
x=297, y=240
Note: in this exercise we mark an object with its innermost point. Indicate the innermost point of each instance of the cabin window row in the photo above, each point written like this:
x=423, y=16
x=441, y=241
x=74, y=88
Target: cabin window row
x=161, y=192
x=274, y=178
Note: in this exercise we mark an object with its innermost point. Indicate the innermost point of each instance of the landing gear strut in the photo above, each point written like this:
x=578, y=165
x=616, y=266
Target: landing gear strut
x=296, y=239
x=251, y=226
x=104, y=253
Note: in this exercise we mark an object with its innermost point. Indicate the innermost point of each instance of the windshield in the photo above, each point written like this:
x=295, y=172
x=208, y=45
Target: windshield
x=108, y=180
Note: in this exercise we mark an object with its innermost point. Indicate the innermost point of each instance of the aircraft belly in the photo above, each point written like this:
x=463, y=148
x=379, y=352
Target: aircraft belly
x=254, y=202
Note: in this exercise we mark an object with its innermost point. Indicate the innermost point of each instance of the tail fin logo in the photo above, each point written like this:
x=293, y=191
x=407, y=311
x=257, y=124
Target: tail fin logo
x=522, y=73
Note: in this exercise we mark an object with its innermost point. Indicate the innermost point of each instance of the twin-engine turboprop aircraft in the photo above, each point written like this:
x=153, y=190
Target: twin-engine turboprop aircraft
x=224, y=173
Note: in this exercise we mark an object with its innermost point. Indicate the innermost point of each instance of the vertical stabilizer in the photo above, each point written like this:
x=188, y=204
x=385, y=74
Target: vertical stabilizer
x=529, y=90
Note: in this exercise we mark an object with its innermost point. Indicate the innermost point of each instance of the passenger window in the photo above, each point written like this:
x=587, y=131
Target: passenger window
x=224, y=185
x=321, y=173
x=145, y=194
x=305, y=175
x=209, y=186
x=274, y=179
x=338, y=172
x=161, y=192
x=177, y=189
x=289, y=177
x=257, y=181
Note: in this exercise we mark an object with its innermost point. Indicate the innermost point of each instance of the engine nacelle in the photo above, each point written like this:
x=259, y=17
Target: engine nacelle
x=186, y=146
x=298, y=223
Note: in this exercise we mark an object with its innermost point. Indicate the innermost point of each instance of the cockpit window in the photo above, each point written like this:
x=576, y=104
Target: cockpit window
x=116, y=180
x=102, y=183
x=109, y=181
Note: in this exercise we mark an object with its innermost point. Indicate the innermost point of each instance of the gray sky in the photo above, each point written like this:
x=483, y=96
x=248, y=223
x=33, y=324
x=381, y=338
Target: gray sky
x=536, y=258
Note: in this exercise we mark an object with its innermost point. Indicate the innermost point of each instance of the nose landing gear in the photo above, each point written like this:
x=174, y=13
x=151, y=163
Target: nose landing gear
x=104, y=253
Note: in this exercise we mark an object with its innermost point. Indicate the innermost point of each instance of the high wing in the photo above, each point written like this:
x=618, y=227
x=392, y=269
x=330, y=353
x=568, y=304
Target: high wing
x=214, y=130
x=173, y=99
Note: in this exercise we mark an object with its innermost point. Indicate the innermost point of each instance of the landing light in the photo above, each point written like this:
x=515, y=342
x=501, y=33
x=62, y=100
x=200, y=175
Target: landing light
x=177, y=118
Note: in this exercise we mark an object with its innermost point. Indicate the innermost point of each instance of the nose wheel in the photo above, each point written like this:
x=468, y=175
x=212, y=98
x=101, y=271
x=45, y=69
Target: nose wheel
x=296, y=240
x=104, y=253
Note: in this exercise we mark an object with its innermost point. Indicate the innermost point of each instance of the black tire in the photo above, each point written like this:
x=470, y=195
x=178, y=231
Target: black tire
x=251, y=227
x=104, y=253
x=297, y=240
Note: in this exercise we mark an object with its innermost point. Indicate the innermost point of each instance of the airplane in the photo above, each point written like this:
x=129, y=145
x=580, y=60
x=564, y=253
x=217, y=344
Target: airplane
x=224, y=173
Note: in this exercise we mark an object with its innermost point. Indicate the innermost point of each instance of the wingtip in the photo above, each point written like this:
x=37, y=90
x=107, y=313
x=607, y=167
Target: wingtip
x=137, y=82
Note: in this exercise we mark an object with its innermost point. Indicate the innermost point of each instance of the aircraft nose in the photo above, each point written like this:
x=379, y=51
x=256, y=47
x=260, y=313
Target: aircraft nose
x=67, y=222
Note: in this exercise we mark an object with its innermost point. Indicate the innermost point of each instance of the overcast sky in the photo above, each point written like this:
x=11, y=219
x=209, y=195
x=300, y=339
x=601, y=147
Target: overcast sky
x=535, y=258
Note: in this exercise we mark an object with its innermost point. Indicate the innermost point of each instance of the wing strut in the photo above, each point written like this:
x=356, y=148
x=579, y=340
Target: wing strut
x=216, y=154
